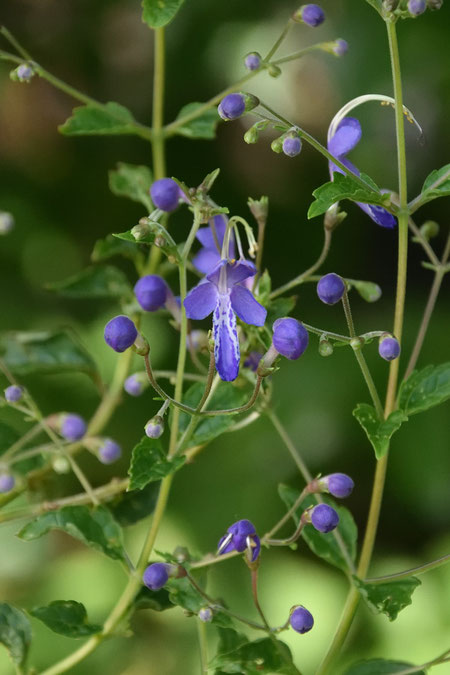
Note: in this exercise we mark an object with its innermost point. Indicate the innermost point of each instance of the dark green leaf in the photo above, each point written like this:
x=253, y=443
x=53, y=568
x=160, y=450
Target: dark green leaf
x=379, y=433
x=432, y=191
x=95, y=527
x=8, y=436
x=132, y=181
x=203, y=126
x=182, y=593
x=368, y=290
x=66, y=617
x=425, y=389
x=15, y=632
x=168, y=247
x=390, y=597
x=376, y=4
x=345, y=187
x=149, y=463
x=158, y=13
x=110, y=118
x=279, y=308
x=229, y=640
x=102, y=281
x=156, y=600
x=325, y=545
x=110, y=246
x=45, y=352
x=252, y=658
x=131, y=507
x=380, y=667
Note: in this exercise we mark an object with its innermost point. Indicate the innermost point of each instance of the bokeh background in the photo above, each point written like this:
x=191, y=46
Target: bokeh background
x=57, y=189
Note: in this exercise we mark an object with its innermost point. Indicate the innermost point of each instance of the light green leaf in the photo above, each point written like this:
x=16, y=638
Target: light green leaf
x=437, y=184
x=66, y=617
x=380, y=667
x=379, y=432
x=345, y=187
x=253, y=658
x=110, y=118
x=158, y=13
x=425, y=389
x=390, y=597
x=132, y=181
x=203, y=126
x=368, y=290
x=149, y=463
x=324, y=545
x=279, y=308
x=15, y=632
x=95, y=527
x=102, y=281
x=110, y=246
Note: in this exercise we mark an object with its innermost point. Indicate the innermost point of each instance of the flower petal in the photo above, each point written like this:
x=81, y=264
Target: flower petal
x=206, y=259
x=346, y=137
x=246, y=307
x=226, y=342
x=239, y=271
x=205, y=235
x=379, y=215
x=200, y=301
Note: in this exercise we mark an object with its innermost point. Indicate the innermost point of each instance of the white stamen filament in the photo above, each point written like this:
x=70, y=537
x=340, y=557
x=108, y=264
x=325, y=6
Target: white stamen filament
x=225, y=543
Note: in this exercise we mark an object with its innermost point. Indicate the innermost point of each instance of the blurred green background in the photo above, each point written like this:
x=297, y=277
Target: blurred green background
x=57, y=189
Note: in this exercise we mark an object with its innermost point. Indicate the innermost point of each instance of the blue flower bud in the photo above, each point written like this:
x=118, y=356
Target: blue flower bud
x=416, y=7
x=14, y=393
x=156, y=576
x=6, y=222
x=301, y=620
x=206, y=614
x=24, y=72
x=7, y=482
x=324, y=518
x=109, y=451
x=234, y=105
x=340, y=47
x=241, y=536
x=331, y=288
x=135, y=384
x=165, y=194
x=338, y=484
x=292, y=146
x=311, y=15
x=72, y=427
x=120, y=333
x=389, y=348
x=151, y=292
x=253, y=61
x=155, y=427
x=290, y=337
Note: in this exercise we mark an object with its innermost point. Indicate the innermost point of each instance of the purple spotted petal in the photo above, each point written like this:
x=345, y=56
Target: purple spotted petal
x=346, y=137
x=205, y=235
x=379, y=215
x=206, y=259
x=246, y=307
x=226, y=343
x=201, y=301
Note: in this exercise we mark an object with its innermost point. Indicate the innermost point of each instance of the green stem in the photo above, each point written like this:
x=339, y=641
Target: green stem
x=414, y=571
x=14, y=43
x=203, y=645
x=279, y=41
x=423, y=242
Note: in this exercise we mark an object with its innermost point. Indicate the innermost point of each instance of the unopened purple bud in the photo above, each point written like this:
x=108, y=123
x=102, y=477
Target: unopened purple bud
x=135, y=384
x=109, y=451
x=292, y=146
x=311, y=15
x=7, y=482
x=416, y=7
x=14, y=393
x=331, y=288
x=301, y=620
x=340, y=47
x=231, y=107
x=24, y=72
x=389, y=348
x=290, y=337
x=324, y=518
x=165, y=194
x=206, y=614
x=155, y=427
x=252, y=61
x=338, y=484
x=151, y=292
x=156, y=576
x=73, y=427
x=6, y=222
x=120, y=333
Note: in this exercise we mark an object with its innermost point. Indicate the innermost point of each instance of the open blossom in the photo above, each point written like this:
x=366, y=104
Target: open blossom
x=345, y=138
x=223, y=293
x=209, y=255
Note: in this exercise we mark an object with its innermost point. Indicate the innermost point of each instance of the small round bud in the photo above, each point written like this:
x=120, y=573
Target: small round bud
x=73, y=427
x=120, y=333
x=277, y=145
x=330, y=288
x=135, y=384
x=151, y=292
x=290, y=337
x=109, y=451
x=206, y=614
x=60, y=465
x=292, y=146
x=417, y=7
x=338, y=484
x=24, y=72
x=251, y=135
x=7, y=482
x=389, y=348
x=311, y=15
x=14, y=393
x=231, y=107
x=273, y=70
x=6, y=222
x=301, y=620
x=357, y=343
x=141, y=230
x=340, y=47
x=325, y=347
x=324, y=518
x=165, y=194
x=390, y=5
x=156, y=576
x=154, y=427
x=429, y=229
x=253, y=61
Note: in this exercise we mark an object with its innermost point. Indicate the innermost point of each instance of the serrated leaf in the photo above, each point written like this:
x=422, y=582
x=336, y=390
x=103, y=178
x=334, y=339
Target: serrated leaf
x=158, y=13
x=203, y=126
x=132, y=181
x=379, y=432
x=149, y=463
x=325, y=545
x=66, y=617
x=380, y=667
x=15, y=632
x=110, y=246
x=110, y=118
x=252, y=658
x=131, y=507
x=345, y=187
x=390, y=597
x=425, y=389
x=432, y=191
x=45, y=352
x=95, y=527
x=368, y=290
x=99, y=281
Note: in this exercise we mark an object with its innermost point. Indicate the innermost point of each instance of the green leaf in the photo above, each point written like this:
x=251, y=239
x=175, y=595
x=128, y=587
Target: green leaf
x=430, y=192
x=15, y=632
x=203, y=126
x=158, y=13
x=325, y=545
x=102, y=281
x=379, y=433
x=279, y=308
x=390, y=597
x=8, y=436
x=345, y=187
x=95, y=527
x=252, y=658
x=168, y=247
x=110, y=246
x=425, y=389
x=149, y=463
x=66, y=617
x=264, y=288
x=376, y=4
x=132, y=181
x=380, y=667
x=110, y=118
x=45, y=352
x=131, y=507
x=156, y=600
x=368, y=290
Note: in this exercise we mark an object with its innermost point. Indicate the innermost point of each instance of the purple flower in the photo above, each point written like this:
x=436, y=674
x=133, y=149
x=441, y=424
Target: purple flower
x=416, y=7
x=241, y=536
x=331, y=288
x=109, y=451
x=73, y=427
x=345, y=138
x=209, y=255
x=7, y=482
x=231, y=107
x=135, y=384
x=223, y=294
x=165, y=194
x=337, y=484
x=292, y=146
x=120, y=333
x=389, y=348
x=290, y=337
x=301, y=620
x=324, y=518
x=14, y=393
x=311, y=15
x=253, y=61
x=151, y=292
x=156, y=575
